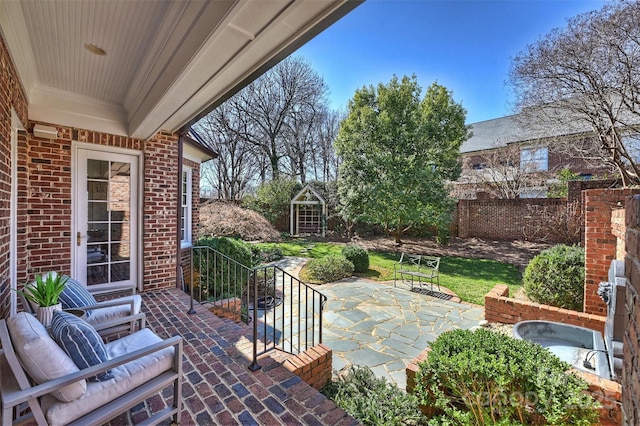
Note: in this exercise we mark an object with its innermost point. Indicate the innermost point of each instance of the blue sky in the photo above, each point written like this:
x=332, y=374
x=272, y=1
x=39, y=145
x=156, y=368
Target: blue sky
x=465, y=45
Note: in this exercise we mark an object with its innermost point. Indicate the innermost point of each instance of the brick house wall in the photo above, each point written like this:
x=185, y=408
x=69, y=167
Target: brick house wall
x=557, y=160
x=44, y=206
x=631, y=370
x=12, y=96
x=601, y=242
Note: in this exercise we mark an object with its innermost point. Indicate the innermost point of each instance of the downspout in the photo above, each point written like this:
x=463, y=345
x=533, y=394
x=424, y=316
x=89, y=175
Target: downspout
x=179, y=214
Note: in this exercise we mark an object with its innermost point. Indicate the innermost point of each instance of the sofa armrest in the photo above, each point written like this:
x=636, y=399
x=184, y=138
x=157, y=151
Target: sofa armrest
x=105, y=328
x=108, y=304
x=15, y=398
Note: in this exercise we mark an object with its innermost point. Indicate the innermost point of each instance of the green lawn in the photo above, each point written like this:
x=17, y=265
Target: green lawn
x=469, y=278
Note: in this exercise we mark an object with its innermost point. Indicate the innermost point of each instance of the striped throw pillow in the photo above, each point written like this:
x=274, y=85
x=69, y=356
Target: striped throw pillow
x=80, y=341
x=75, y=295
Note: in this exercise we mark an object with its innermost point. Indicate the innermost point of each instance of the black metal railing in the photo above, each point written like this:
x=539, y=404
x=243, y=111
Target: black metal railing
x=286, y=313
x=218, y=280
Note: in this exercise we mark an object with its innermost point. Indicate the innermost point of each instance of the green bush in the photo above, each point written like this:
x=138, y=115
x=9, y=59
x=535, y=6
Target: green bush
x=266, y=254
x=372, y=400
x=329, y=268
x=272, y=199
x=483, y=377
x=218, y=276
x=357, y=255
x=556, y=277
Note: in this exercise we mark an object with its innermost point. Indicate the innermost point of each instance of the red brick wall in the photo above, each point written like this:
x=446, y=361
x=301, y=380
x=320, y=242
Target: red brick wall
x=499, y=307
x=600, y=242
x=314, y=366
x=504, y=219
x=631, y=371
x=160, y=207
x=12, y=95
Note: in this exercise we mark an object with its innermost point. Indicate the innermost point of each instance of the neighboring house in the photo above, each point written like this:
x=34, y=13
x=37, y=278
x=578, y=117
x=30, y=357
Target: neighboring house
x=503, y=160
x=98, y=177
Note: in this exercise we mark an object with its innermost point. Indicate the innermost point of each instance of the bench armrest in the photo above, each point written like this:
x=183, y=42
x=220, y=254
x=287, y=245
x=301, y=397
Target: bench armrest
x=21, y=396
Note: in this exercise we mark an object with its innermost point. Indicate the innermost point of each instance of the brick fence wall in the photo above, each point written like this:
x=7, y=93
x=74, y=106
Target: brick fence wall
x=631, y=371
x=515, y=219
x=532, y=219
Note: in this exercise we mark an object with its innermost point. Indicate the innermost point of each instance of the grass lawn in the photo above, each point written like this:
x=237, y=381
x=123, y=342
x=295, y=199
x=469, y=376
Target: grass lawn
x=469, y=278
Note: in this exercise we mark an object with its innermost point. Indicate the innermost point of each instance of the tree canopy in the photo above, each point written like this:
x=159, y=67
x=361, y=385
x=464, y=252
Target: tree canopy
x=398, y=151
x=585, y=77
x=277, y=127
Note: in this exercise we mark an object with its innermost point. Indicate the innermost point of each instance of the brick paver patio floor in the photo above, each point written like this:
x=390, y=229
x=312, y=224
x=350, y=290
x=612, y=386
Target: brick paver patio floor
x=218, y=387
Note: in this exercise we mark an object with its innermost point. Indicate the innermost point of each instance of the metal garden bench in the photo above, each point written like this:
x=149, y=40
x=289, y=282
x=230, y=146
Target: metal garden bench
x=420, y=269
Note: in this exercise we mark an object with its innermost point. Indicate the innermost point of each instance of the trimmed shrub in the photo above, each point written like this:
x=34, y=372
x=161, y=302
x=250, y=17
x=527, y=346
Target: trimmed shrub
x=329, y=268
x=483, y=377
x=373, y=400
x=556, y=277
x=357, y=255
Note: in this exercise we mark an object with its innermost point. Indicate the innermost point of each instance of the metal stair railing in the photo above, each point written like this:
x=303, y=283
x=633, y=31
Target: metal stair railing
x=286, y=312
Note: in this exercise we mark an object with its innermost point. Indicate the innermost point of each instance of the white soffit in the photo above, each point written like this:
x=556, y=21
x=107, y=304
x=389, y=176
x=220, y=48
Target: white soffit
x=165, y=62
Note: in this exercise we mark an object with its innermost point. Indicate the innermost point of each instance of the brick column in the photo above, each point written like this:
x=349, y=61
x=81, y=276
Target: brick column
x=631, y=370
x=600, y=241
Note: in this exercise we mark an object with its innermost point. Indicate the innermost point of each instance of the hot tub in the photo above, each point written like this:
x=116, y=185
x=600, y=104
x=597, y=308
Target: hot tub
x=570, y=343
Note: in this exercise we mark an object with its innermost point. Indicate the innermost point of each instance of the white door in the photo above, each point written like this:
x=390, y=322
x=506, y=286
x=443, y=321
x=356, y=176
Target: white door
x=106, y=219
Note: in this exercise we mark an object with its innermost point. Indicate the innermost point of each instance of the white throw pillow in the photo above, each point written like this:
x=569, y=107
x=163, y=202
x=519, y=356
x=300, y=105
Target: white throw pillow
x=41, y=357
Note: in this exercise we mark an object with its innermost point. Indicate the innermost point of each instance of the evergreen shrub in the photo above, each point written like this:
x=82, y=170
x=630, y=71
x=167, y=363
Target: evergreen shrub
x=373, y=400
x=329, y=268
x=357, y=255
x=556, y=277
x=483, y=377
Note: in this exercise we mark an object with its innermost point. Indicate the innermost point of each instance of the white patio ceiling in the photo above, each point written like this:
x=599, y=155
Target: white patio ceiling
x=166, y=63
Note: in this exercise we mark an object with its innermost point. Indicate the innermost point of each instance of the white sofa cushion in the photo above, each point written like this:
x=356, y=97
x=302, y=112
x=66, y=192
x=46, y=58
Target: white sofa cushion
x=41, y=357
x=126, y=378
x=101, y=315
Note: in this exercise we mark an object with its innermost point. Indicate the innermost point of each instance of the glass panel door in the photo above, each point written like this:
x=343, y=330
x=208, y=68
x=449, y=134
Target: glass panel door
x=106, y=243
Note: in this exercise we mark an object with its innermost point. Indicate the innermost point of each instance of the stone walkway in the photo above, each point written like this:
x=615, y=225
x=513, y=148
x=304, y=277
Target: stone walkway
x=375, y=324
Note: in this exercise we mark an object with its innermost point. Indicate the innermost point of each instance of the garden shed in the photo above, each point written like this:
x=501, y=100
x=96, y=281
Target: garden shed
x=308, y=212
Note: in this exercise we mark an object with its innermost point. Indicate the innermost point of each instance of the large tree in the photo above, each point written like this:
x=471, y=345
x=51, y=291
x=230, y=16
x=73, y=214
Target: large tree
x=397, y=151
x=276, y=110
x=586, y=77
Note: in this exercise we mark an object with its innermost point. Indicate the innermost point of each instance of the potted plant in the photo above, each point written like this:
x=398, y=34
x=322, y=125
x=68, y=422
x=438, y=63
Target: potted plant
x=44, y=293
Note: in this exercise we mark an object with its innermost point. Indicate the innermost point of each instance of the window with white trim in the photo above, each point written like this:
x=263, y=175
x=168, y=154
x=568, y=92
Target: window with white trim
x=185, y=222
x=534, y=159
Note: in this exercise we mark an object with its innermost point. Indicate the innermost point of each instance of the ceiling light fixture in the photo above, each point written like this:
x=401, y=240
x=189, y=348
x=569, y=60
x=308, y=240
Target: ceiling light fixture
x=95, y=49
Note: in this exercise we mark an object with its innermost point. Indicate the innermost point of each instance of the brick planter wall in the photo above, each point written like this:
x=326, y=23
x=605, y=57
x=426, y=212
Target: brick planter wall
x=499, y=307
